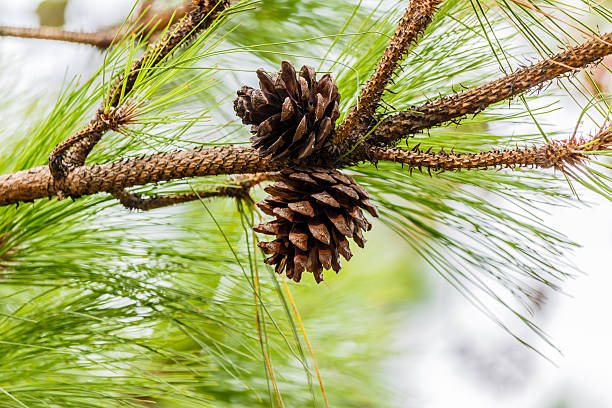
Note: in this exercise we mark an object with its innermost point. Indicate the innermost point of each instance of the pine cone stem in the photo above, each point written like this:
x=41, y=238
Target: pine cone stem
x=411, y=26
x=473, y=101
x=561, y=155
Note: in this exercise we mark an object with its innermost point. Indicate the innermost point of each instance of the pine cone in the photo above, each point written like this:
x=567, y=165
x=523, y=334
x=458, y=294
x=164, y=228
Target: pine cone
x=290, y=116
x=315, y=210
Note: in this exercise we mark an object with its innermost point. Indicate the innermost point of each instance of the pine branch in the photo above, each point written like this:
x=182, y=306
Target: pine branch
x=417, y=17
x=239, y=190
x=104, y=38
x=201, y=16
x=35, y=183
x=473, y=101
x=560, y=155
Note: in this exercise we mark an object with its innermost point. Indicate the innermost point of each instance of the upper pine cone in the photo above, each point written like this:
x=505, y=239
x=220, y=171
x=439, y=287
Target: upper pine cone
x=290, y=116
x=315, y=210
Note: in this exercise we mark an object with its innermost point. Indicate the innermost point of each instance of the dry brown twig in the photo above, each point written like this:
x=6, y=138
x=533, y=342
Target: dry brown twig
x=77, y=180
x=238, y=189
x=148, y=22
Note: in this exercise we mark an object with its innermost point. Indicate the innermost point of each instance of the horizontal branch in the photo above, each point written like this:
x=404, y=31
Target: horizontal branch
x=475, y=100
x=29, y=185
x=36, y=183
x=560, y=155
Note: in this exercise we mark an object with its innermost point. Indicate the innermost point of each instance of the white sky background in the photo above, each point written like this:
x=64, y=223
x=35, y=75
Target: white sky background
x=455, y=357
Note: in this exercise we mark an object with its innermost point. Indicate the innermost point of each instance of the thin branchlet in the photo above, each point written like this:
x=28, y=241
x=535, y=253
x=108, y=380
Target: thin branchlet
x=560, y=155
x=473, y=101
x=238, y=189
x=100, y=39
x=150, y=23
x=410, y=28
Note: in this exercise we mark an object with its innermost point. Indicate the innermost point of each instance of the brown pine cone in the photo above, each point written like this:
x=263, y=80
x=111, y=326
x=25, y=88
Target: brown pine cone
x=290, y=116
x=316, y=209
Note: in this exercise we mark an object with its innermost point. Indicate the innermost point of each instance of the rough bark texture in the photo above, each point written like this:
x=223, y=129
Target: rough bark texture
x=472, y=101
x=560, y=155
x=31, y=184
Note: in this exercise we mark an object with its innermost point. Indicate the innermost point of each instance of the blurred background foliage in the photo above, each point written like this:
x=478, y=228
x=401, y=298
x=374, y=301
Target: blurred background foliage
x=103, y=307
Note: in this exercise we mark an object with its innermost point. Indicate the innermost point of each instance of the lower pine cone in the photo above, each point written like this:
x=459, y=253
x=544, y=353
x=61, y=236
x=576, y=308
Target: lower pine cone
x=316, y=210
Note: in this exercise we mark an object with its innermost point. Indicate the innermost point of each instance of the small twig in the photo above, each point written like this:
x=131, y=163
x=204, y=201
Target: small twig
x=101, y=39
x=417, y=17
x=475, y=100
x=151, y=21
x=239, y=190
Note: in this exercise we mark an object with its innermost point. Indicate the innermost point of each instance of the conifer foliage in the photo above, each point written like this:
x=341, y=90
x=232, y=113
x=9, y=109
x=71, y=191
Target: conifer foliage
x=172, y=307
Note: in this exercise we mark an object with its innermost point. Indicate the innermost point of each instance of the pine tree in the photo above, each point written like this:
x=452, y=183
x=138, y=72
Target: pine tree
x=115, y=295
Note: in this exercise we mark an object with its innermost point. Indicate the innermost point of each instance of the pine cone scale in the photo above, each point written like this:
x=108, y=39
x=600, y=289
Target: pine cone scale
x=307, y=148
x=288, y=110
x=325, y=198
x=303, y=207
x=288, y=76
x=319, y=231
x=301, y=130
x=299, y=237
